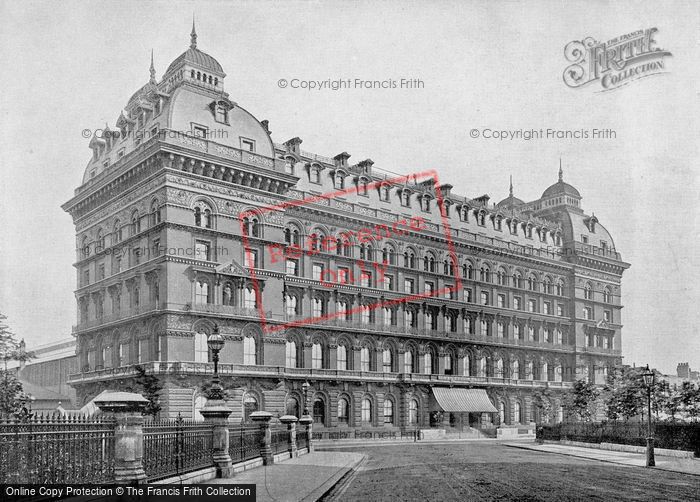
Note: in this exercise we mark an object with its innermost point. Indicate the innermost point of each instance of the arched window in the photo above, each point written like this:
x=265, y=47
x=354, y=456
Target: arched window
x=249, y=298
x=588, y=291
x=387, y=360
x=291, y=305
x=388, y=411
x=481, y=366
x=201, y=293
x=291, y=236
x=343, y=410
x=135, y=223
x=408, y=361
x=532, y=283
x=251, y=226
x=366, y=411
x=155, y=213
x=293, y=406
x=485, y=274
x=502, y=277
x=389, y=255
x=100, y=241
x=202, y=215
x=250, y=405
x=449, y=364
x=319, y=412
x=316, y=356
x=413, y=412
x=342, y=357
x=250, y=355
x=117, y=235
x=607, y=295
x=364, y=359
x=547, y=285
x=339, y=181
x=517, y=280
x=201, y=350
x=291, y=354
x=560, y=288
x=428, y=363
x=518, y=412
x=498, y=368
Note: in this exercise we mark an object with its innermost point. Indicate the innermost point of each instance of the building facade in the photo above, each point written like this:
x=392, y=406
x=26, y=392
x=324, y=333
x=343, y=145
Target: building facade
x=532, y=297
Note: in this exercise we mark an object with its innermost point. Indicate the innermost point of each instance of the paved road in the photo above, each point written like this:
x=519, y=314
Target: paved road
x=492, y=471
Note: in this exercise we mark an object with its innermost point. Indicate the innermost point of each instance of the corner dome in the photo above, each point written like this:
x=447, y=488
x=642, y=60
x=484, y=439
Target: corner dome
x=560, y=188
x=197, y=58
x=510, y=201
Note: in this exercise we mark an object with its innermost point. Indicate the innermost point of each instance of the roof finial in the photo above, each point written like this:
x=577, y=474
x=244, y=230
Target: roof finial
x=561, y=171
x=511, y=185
x=193, y=35
x=152, y=69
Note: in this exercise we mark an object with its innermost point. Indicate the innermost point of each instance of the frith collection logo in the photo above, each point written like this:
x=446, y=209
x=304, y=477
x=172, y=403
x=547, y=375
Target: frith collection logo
x=614, y=63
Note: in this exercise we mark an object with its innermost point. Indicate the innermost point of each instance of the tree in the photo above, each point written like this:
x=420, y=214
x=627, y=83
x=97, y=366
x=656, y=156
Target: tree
x=624, y=393
x=580, y=400
x=150, y=388
x=12, y=397
x=689, y=398
x=541, y=399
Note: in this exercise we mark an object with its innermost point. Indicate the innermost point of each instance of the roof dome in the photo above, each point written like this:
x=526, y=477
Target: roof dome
x=196, y=57
x=510, y=201
x=560, y=188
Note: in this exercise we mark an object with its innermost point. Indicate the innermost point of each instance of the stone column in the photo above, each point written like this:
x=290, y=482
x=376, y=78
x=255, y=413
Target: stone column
x=291, y=422
x=306, y=420
x=127, y=409
x=216, y=414
x=262, y=418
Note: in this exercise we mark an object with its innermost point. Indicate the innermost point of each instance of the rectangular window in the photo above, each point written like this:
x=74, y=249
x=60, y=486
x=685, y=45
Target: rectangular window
x=389, y=282
x=560, y=309
x=317, y=271
x=587, y=313
x=251, y=258
x=409, y=286
x=449, y=292
x=429, y=287
x=502, y=301
x=607, y=316
x=547, y=308
x=292, y=267
x=366, y=279
x=468, y=295
x=200, y=131
x=484, y=298
x=344, y=275
x=501, y=330
x=247, y=144
x=584, y=239
x=532, y=306
x=101, y=271
x=517, y=303
x=365, y=314
x=202, y=250
x=143, y=350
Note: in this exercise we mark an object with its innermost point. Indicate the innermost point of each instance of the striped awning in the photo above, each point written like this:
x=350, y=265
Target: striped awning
x=463, y=400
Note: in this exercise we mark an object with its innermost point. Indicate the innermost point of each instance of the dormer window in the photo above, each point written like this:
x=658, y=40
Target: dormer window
x=464, y=213
x=315, y=175
x=425, y=203
x=514, y=227
x=481, y=218
x=528, y=232
x=498, y=223
x=362, y=186
x=289, y=166
x=384, y=193
x=406, y=198
x=221, y=114
x=584, y=239
x=339, y=180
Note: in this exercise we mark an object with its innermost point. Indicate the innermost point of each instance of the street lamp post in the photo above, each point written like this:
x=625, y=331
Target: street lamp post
x=305, y=387
x=648, y=376
x=215, y=342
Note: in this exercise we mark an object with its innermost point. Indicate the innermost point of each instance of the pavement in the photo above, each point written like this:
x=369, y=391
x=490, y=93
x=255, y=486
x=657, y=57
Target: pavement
x=303, y=479
x=673, y=464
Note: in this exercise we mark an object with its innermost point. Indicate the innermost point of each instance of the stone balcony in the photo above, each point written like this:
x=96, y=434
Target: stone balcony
x=163, y=368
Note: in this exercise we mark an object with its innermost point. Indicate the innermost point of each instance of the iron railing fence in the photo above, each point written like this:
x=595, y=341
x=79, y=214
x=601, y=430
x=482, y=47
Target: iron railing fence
x=174, y=447
x=302, y=439
x=279, y=442
x=53, y=450
x=244, y=443
x=670, y=435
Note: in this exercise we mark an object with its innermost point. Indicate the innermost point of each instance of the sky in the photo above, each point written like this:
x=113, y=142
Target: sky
x=496, y=65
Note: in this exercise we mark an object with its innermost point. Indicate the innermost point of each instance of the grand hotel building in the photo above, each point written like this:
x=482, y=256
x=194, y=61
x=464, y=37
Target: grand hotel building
x=160, y=262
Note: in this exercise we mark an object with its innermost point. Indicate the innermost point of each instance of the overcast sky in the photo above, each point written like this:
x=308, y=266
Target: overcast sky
x=70, y=66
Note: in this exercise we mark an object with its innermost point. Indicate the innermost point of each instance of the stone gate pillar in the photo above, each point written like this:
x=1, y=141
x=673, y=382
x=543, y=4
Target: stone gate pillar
x=127, y=409
x=262, y=418
x=291, y=422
